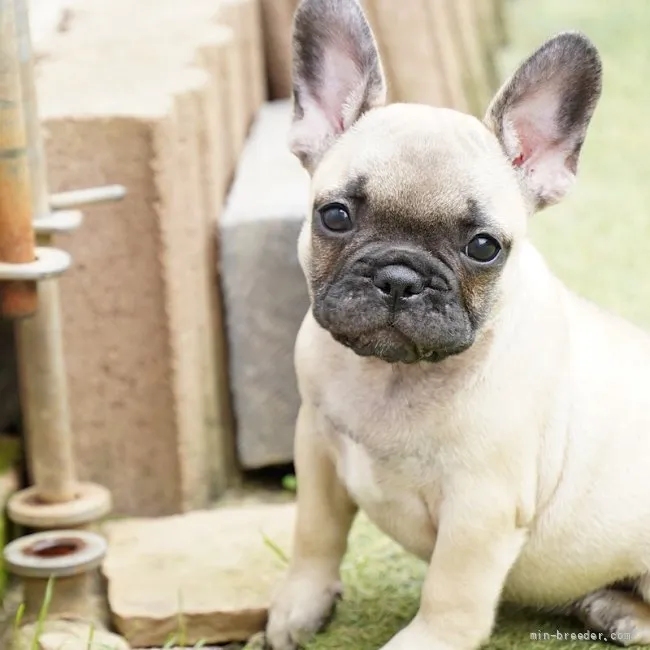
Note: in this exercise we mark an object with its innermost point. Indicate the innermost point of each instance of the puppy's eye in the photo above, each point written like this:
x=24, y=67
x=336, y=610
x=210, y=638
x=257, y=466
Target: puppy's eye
x=335, y=217
x=483, y=248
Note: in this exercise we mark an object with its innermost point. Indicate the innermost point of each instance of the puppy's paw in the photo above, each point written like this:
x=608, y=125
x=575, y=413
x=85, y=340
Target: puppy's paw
x=415, y=636
x=622, y=617
x=303, y=606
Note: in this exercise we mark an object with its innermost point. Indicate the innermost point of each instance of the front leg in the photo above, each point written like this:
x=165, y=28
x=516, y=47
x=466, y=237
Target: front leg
x=304, y=602
x=477, y=545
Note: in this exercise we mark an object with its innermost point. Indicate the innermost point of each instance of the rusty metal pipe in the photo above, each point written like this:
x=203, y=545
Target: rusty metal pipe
x=18, y=299
x=44, y=389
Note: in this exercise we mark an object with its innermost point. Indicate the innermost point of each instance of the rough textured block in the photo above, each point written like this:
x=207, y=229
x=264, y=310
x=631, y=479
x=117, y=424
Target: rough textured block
x=193, y=565
x=148, y=392
x=57, y=634
x=264, y=289
x=405, y=33
x=451, y=56
x=48, y=20
x=425, y=31
x=277, y=20
x=476, y=57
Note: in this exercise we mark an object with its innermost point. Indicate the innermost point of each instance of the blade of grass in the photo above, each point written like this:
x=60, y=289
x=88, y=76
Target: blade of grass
x=277, y=551
x=182, y=628
x=18, y=619
x=289, y=483
x=91, y=637
x=42, y=614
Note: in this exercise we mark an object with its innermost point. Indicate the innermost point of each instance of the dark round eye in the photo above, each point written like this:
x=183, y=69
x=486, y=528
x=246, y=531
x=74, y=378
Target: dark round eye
x=336, y=217
x=483, y=248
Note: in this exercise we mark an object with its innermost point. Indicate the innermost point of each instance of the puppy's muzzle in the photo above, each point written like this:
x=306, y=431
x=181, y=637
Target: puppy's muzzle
x=397, y=304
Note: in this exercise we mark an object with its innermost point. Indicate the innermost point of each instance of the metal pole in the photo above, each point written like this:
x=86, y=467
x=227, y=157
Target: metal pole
x=56, y=500
x=17, y=298
x=39, y=339
x=89, y=196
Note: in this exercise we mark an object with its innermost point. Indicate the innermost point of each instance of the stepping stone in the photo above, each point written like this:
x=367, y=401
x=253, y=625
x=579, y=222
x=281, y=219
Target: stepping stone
x=203, y=576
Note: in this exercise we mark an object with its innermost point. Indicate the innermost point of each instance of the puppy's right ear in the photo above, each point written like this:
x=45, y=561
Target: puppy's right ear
x=337, y=75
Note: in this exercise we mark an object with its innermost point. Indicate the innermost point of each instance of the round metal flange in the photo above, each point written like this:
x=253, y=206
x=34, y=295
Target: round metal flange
x=49, y=263
x=92, y=503
x=58, y=554
x=60, y=221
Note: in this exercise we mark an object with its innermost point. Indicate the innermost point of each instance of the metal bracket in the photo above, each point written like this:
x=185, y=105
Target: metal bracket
x=49, y=263
x=60, y=221
x=52, y=262
x=64, y=218
x=89, y=196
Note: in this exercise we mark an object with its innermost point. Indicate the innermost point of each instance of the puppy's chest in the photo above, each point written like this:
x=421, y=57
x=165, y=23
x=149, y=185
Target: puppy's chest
x=395, y=422
x=383, y=459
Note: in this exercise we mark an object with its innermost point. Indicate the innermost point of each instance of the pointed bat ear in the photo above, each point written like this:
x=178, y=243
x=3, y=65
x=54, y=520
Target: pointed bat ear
x=541, y=114
x=337, y=75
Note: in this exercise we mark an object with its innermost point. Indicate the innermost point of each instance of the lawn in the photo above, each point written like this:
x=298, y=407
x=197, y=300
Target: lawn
x=598, y=241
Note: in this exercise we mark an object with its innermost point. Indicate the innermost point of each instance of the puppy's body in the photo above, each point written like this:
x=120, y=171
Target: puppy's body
x=486, y=418
x=582, y=500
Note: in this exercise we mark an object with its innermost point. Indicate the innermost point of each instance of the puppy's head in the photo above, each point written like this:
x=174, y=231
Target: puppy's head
x=418, y=211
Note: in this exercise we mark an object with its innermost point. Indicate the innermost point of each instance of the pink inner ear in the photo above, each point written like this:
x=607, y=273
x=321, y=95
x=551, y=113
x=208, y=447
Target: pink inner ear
x=519, y=160
x=534, y=122
x=340, y=83
x=530, y=141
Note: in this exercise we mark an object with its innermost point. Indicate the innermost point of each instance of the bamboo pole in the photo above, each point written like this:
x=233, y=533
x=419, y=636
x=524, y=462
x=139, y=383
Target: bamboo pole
x=18, y=299
x=39, y=339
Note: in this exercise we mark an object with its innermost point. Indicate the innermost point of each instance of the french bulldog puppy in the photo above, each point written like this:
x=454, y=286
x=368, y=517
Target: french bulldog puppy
x=486, y=418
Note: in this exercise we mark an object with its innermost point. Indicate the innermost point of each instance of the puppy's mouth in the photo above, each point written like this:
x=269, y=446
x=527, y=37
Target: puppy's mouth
x=392, y=346
x=419, y=331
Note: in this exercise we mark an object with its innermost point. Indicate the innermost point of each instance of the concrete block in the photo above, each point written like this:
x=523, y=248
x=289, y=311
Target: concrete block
x=405, y=34
x=476, y=57
x=422, y=31
x=264, y=289
x=277, y=20
x=48, y=21
x=215, y=570
x=450, y=55
x=55, y=634
x=159, y=105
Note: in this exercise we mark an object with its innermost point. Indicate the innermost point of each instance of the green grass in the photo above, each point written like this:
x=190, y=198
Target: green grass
x=598, y=241
x=382, y=588
x=19, y=640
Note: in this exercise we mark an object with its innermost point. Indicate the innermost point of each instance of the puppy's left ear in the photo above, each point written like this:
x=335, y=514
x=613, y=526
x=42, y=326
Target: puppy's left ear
x=337, y=74
x=541, y=115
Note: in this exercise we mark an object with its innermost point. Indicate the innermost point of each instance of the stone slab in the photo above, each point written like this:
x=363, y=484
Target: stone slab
x=208, y=572
x=59, y=634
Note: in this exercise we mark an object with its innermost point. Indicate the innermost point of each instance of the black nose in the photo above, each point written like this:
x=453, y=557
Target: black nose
x=398, y=281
